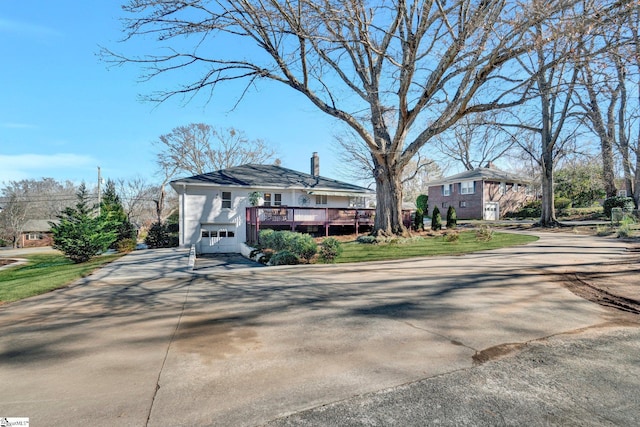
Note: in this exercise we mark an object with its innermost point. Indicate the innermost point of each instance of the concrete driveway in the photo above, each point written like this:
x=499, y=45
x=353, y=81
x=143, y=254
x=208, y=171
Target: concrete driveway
x=145, y=341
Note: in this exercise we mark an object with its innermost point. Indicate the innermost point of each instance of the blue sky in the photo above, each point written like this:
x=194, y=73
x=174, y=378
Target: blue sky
x=64, y=112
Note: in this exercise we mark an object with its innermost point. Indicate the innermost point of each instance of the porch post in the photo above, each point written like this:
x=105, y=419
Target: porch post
x=326, y=222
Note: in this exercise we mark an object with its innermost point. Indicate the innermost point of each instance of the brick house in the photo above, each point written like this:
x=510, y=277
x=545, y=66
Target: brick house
x=482, y=193
x=36, y=233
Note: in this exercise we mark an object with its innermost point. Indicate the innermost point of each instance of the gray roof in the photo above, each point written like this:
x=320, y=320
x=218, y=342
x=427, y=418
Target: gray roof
x=269, y=176
x=38, y=225
x=482, y=174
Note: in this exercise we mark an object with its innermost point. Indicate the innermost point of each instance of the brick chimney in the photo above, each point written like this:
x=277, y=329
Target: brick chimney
x=315, y=164
x=490, y=165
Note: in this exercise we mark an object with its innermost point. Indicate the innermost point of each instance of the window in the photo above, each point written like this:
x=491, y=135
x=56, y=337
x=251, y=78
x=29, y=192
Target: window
x=528, y=190
x=503, y=188
x=357, y=202
x=463, y=204
x=226, y=200
x=445, y=205
x=321, y=199
x=272, y=199
x=622, y=193
x=467, y=187
x=32, y=236
x=446, y=190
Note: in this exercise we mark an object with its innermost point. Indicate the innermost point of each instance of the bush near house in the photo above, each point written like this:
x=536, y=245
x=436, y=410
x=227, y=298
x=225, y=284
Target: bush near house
x=303, y=246
x=159, y=236
x=330, y=249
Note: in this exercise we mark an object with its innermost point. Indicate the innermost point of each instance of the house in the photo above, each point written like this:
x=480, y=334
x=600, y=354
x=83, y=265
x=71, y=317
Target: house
x=482, y=193
x=36, y=233
x=221, y=210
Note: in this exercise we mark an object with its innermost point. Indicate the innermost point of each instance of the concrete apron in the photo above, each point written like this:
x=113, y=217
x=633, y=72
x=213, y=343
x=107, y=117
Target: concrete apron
x=248, y=346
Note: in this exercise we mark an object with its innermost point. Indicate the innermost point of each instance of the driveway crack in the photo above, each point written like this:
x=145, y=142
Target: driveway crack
x=166, y=353
x=452, y=341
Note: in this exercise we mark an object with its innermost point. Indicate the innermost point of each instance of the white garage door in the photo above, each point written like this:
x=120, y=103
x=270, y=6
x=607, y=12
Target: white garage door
x=218, y=239
x=492, y=211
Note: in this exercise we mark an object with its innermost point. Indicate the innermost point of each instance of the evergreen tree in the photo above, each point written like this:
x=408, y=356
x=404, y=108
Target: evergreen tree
x=436, y=219
x=111, y=210
x=80, y=234
x=452, y=218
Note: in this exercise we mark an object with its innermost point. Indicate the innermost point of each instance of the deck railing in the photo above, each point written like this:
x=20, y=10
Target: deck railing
x=291, y=217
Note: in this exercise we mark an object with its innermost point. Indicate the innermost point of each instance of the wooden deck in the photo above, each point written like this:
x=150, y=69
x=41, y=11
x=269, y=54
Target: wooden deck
x=303, y=218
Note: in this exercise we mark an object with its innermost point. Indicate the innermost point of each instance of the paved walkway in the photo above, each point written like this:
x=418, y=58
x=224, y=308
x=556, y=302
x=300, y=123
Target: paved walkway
x=147, y=342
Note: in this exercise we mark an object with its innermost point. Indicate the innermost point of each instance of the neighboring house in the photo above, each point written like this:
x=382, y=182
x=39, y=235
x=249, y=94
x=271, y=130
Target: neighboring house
x=482, y=193
x=36, y=233
x=216, y=214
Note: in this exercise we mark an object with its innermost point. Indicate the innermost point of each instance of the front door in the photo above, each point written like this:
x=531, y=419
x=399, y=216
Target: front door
x=491, y=211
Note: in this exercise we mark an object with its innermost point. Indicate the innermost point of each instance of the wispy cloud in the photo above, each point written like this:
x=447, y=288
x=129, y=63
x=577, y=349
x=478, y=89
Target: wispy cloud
x=12, y=125
x=27, y=29
x=22, y=166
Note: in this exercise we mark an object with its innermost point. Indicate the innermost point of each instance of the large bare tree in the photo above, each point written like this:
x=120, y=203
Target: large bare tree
x=396, y=72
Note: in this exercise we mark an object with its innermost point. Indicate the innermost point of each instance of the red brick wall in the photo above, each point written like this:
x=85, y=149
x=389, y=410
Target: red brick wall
x=45, y=240
x=469, y=206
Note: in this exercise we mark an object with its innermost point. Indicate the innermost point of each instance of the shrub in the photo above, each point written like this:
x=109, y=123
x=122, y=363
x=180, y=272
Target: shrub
x=159, y=237
x=302, y=245
x=284, y=258
x=418, y=220
x=330, y=249
x=436, y=219
x=484, y=233
x=562, y=203
x=422, y=202
x=452, y=218
x=126, y=245
x=451, y=237
x=530, y=210
x=366, y=240
x=626, y=203
x=626, y=227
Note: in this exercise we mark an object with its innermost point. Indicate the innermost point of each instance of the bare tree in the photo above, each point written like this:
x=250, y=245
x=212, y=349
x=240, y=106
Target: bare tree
x=200, y=148
x=13, y=218
x=137, y=196
x=475, y=141
x=425, y=63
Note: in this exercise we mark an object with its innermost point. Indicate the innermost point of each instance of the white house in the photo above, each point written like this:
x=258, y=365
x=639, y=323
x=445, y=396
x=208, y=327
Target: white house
x=217, y=216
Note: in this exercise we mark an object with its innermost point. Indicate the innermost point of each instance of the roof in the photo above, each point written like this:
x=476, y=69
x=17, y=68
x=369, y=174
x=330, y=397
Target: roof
x=270, y=176
x=41, y=225
x=482, y=174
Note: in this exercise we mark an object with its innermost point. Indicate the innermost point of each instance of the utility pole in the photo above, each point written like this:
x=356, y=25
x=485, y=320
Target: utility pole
x=99, y=194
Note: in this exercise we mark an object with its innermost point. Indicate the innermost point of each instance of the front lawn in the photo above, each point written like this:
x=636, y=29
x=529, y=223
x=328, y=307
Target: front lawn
x=428, y=246
x=44, y=273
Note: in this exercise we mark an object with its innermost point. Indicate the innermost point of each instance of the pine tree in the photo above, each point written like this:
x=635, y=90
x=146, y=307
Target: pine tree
x=452, y=218
x=436, y=219
x=111, y=210
x=80, y=234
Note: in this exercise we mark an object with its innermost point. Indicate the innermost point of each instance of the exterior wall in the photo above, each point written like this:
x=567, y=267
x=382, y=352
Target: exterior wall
x=44, y=239
x=467, y=206
x=203, y=205
x=471, y=206
x=512, y=199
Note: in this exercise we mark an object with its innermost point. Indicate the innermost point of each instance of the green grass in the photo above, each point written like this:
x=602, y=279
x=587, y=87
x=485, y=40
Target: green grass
x=44, y=273
x=429, y=246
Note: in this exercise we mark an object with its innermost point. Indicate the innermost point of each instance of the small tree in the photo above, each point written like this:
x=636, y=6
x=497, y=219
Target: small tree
x=452, y=219
x=422, y=206
x=80, y=234
x=436, y=219
x=111, y=209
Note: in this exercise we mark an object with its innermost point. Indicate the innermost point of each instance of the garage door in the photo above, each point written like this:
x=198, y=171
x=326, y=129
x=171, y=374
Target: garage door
x=218, y=239
x=492, y=211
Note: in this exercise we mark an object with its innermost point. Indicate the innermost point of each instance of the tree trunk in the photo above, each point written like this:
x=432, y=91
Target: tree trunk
x=608, y=175
x=388, y=220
